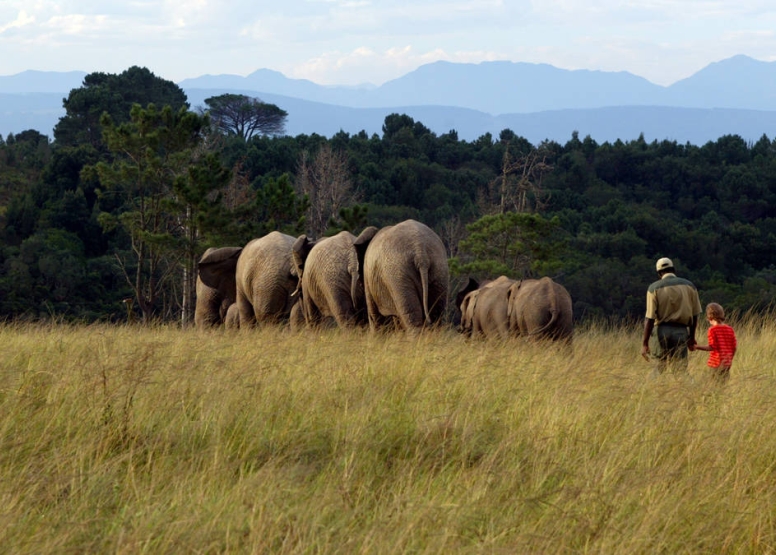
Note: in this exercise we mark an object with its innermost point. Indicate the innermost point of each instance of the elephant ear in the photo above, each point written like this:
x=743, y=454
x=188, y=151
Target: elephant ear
x=218, y=265
x=511, y=293
x=361, y=243
x=299, y=252
x=468, y=304
x=470, y=286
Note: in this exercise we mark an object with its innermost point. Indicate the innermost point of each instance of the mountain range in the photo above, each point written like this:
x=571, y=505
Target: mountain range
x=536, y=101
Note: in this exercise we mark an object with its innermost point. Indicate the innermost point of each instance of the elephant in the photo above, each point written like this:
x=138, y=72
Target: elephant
x=329, y=283
x=232, y=318
x=484, y=310
x=264, y=278
x=296, y=317
x=213, y=302
x=467, y=304
x=405, y=274
x=540, y=308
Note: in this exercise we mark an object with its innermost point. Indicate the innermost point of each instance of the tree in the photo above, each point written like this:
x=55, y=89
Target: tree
x=514, y=244
x=237, y=114
x=326, y=181
x=519, y=187
x=164, y=181
x=114, y=94
x=278, y=207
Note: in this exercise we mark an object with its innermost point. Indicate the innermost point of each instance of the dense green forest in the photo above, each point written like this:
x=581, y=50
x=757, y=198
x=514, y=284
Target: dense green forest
x=110, y=215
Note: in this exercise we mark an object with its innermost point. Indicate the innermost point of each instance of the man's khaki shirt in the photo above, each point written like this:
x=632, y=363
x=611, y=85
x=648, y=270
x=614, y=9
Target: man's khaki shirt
x=672, y=300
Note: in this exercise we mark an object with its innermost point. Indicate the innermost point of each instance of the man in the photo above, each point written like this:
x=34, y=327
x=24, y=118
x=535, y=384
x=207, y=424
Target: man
x=672, y=304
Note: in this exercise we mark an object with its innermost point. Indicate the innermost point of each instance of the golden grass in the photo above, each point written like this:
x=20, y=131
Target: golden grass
x=134, y=440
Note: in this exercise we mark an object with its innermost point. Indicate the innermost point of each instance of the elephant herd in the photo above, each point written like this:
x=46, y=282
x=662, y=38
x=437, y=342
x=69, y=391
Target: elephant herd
x=395, y=276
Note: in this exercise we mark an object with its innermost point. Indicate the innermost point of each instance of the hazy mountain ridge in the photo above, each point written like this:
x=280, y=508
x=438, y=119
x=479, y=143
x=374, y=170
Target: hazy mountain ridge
x=537, y=101
x=517, y=87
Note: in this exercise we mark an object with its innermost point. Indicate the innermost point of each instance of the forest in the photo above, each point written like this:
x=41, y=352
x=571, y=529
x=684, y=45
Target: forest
x=107, y=219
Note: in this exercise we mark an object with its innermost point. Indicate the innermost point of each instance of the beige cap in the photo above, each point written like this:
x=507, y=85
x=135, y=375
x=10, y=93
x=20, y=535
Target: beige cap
x=663, y=264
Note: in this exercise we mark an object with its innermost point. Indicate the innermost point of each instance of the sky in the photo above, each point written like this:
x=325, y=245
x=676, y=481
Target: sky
x=351, y=42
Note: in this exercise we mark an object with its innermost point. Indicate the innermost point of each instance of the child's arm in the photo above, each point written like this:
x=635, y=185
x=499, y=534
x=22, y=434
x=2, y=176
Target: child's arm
x=703, y=348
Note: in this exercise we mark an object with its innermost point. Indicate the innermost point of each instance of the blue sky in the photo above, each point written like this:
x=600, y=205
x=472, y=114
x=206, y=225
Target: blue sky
x=347, y=42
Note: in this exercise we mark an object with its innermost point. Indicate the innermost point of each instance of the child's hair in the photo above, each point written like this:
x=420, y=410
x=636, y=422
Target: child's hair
x=715, y=311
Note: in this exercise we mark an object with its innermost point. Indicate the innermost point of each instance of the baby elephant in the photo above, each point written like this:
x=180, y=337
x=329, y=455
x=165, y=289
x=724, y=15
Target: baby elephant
x=484, y=309
x=540, y=308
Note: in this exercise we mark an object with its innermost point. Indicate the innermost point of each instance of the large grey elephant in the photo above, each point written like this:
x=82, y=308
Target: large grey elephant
x=329, y=283
x=484, y=309
x=264, y=279
x=213, y=302
x=405, y=275
x=540, y=308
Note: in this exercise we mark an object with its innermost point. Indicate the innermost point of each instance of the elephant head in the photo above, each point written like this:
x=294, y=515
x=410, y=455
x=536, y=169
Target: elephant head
x=216, y=288
x=470, y=286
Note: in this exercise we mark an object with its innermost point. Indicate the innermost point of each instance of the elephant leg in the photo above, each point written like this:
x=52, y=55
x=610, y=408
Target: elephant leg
x=312, y=313
x=344, y=318
x=376, y=320
x=247, y=319
x=343, y=311
x=410, y=313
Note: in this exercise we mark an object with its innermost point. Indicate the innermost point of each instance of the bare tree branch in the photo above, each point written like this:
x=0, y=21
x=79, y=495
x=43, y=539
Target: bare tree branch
x=326, y=180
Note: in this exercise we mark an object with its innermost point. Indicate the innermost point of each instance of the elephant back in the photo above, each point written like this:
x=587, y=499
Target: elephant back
x=407, y=259
x=540, y=308
x=264, y=275
x=329, y=273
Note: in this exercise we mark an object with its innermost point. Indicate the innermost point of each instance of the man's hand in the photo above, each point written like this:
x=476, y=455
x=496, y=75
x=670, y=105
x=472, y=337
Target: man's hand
x=645, y=352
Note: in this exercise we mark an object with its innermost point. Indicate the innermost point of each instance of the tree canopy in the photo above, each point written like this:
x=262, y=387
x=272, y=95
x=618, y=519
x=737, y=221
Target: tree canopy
x=244, y=116
x=114, y=94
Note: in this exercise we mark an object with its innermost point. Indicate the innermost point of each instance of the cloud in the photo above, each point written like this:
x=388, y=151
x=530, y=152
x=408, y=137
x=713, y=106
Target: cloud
x=353, y=41
x=22, y=19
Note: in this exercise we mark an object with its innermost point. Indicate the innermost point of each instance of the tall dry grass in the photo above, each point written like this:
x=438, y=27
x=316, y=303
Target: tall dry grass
x=133, y=440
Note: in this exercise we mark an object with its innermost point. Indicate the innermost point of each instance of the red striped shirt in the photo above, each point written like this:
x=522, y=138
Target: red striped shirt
x=722, y=340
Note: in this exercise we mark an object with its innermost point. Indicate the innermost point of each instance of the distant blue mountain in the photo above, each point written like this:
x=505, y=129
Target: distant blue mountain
x=693, y=125
x=32, y=81
x=509, y=87
x=537, y=101
x=738, y=82
x=506, y=87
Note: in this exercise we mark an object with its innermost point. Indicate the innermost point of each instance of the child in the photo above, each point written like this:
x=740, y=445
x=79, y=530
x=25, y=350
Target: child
x=722, y=343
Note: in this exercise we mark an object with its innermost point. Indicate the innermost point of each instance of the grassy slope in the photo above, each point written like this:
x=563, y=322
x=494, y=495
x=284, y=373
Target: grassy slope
x=130, y=440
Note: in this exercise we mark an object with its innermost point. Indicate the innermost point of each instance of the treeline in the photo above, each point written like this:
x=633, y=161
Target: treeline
x=108, y=219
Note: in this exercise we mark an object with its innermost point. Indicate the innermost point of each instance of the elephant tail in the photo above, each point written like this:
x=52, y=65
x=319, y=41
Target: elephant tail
x=550, y=327
x=424, y=287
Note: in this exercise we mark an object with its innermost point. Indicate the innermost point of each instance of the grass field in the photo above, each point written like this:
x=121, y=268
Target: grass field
x=157, y=440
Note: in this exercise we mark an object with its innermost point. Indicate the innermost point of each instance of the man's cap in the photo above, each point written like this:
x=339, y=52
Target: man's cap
x=664, y=264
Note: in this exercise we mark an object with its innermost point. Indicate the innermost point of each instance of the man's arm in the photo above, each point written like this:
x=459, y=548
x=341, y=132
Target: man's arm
x=649, y=323
x=693, y=324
